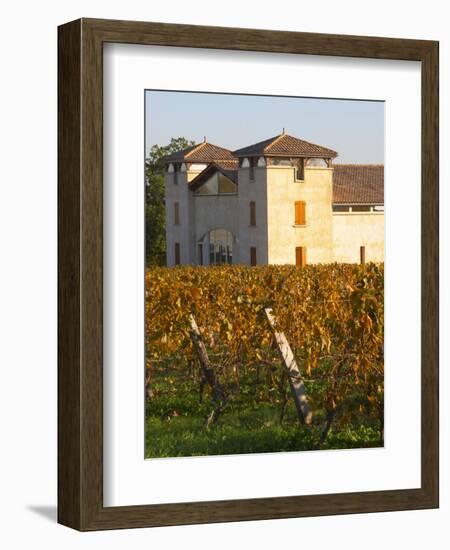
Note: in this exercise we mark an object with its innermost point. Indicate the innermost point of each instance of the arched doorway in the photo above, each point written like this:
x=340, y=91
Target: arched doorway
x=216, y=248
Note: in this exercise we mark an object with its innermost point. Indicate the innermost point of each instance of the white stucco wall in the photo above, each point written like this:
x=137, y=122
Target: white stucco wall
x=215, y=212
x=352, y=230
x=249, y=236
x=184, y=232
x=283, y=235
x=328, y=236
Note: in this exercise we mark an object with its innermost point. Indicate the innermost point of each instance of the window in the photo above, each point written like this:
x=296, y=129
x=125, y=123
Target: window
x=200, y=254
x=219, y=246
x=317, y=162
x=252, y=170
x=300, y=213
x=340, y=208
x=176, y=213
x=362, y=254
x=355, y=208
x=253, y=255
x=175, y=174
x=252, y=213
x=281, y=162
x=226, y=186
x=300, y=256
x=217, y=184
x=300, y=169
x=177, y=254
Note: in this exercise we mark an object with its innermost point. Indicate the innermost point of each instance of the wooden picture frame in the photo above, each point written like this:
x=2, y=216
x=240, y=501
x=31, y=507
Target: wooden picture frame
x=80, y=272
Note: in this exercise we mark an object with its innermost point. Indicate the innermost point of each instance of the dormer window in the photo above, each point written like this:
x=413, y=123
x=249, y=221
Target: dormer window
x=217, y=184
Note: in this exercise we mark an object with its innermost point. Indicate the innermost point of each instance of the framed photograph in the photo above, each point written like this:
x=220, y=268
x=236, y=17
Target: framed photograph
x=248, y=274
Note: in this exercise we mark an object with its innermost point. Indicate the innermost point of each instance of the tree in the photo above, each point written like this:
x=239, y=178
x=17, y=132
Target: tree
x=155, y=214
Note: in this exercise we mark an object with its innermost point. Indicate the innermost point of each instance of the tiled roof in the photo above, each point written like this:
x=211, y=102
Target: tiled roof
x=285, y=145
x=227, y=164
x=358, y=184
x=202, y=153
x=255, y=149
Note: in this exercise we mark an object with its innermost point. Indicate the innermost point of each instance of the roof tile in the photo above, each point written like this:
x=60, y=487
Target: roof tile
x=285, y=145
x=358, y=184
x=202, y=153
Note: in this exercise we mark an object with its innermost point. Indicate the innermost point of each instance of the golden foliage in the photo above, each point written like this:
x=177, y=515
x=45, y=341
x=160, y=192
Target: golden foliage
x=332, y=315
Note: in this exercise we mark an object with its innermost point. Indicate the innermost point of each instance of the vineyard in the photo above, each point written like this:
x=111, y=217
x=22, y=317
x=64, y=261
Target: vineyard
x=218, y=382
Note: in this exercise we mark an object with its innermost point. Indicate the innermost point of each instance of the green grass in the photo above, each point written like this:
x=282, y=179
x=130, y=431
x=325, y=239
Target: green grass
x=176, y=423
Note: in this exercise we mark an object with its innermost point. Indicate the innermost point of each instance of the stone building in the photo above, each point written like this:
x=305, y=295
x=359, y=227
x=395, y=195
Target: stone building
x=279, y=201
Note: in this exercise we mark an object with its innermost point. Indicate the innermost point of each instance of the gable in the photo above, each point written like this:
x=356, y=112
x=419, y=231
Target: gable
x=217, y=184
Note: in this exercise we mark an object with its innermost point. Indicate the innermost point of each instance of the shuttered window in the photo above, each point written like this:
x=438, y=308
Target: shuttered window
x=253, y=255
x=252, y=213
x=176, y=213
x=300, y=256
x=177, y=254
x=300, y=213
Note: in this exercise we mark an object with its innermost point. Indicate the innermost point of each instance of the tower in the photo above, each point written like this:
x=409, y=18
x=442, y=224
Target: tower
x=182, y=212
x=286, y=186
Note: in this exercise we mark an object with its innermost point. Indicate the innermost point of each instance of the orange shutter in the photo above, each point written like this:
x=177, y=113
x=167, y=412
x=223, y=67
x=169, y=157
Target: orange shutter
x=300, y=256
x=300, y=213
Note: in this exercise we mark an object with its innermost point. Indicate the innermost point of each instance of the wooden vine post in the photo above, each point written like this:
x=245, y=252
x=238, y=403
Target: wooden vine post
x=208, y=372
x=295, y=378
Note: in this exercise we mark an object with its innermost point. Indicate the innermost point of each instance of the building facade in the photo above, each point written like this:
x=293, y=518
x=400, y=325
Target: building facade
x=280, y=201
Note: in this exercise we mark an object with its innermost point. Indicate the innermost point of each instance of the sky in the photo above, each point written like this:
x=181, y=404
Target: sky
x=353, y=128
